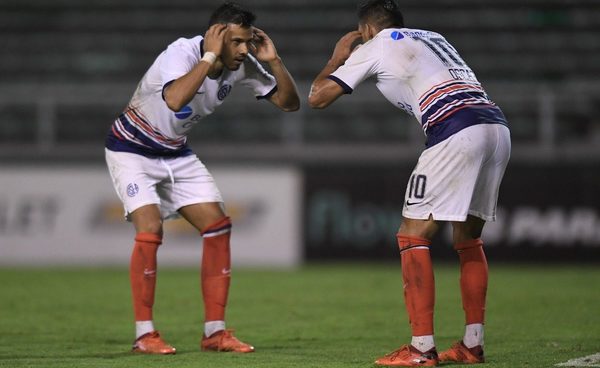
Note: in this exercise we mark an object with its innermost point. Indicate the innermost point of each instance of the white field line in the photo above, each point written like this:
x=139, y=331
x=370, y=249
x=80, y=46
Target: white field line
x=586, y=361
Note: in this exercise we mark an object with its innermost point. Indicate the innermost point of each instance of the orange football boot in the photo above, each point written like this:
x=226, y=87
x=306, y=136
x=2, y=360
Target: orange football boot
x=459, y=353
x=409, y=356
x=225, y=341
x=152, y=343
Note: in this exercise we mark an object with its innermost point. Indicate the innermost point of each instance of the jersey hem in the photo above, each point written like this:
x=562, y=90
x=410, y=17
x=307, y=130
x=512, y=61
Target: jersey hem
x=463, y=119
x=269, y=94
x=347, y=89
x=162, y=93
x=482, y=216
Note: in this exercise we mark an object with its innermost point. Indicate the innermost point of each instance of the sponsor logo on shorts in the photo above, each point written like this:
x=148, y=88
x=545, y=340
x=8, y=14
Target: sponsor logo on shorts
x=132, y=189
x=409, y=203
x=223, y=92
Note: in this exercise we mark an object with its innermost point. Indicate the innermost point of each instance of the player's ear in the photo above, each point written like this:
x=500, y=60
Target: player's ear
x=371, y=31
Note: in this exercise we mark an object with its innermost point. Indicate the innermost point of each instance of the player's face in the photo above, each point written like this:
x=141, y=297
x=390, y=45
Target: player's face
x=236, y=45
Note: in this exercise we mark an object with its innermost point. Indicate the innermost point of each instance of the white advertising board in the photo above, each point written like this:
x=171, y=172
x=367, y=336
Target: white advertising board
x=72, y=216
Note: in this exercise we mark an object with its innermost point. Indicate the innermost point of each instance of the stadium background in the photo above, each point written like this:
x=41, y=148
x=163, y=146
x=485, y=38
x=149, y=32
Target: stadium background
x=303, y=186
x=304, y=190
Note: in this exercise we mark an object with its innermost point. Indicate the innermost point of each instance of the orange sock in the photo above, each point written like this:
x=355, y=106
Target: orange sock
x=142, y=274
x=419, y=284
x=216, y=269
x=473, y=279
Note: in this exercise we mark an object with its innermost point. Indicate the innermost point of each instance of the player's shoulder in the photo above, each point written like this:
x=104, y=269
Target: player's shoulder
x=397, y=37
x=193, y=44
x=415, y=33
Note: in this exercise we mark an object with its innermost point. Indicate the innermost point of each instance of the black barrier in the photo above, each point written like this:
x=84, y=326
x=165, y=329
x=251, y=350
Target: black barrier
x=545, y=213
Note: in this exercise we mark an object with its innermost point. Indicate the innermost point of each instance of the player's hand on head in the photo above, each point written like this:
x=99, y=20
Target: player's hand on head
x=263, y=47
x=214, y=38
x=343, y=48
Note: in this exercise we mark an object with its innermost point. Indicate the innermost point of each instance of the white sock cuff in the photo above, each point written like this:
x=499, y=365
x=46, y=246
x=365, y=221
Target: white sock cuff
x=473, y=335
x=423, y=343
x=143, y=327
x=211, y=327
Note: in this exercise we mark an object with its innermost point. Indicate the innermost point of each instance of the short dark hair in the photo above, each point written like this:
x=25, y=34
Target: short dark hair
x=231, y=12
x=382, y=13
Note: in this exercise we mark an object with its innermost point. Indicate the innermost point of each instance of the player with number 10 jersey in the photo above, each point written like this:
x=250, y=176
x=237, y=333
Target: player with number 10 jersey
x=457, y=177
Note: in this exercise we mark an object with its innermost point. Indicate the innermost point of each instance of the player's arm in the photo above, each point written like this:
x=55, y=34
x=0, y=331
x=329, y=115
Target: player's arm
x=286, y=96
x=323, y=90
x=183, y=89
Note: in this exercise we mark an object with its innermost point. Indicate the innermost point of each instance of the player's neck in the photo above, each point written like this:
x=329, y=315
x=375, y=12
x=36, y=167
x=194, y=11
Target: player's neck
x=216, y=69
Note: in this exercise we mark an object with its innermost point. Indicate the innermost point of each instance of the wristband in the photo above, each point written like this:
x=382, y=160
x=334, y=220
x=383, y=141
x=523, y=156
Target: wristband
x=209, y=57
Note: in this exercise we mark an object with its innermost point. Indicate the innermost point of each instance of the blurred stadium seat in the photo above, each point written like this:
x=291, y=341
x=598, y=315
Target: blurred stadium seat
x=68, y=67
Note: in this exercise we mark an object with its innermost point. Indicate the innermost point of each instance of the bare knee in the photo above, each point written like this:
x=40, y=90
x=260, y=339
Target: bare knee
x=470, y=229
x=203, y=215
x=147, y=219
x=418, y=228
x=154, y=227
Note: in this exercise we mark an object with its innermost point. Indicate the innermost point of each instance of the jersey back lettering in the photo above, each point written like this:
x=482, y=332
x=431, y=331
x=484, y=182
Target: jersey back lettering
x=421, y=73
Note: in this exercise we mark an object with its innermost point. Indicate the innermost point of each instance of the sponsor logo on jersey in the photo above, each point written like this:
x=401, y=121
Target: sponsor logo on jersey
x=132, y=189
x=184, y=113
x=396, y=35
x=223, y=91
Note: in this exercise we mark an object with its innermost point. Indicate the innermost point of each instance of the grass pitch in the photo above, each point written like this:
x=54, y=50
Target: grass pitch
x=317, y=316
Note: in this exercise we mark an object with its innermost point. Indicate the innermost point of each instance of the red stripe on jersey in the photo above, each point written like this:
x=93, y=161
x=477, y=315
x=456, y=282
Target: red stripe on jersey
x=447, y=90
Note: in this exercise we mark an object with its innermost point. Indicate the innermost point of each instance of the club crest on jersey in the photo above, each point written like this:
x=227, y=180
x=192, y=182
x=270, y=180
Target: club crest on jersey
x=132, y=189
x=184, y=113
x=396, y=35
x=223, y=91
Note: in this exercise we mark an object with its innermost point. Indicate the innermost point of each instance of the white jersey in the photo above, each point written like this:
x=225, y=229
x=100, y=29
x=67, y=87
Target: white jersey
x=149, y=127
x=421, y=73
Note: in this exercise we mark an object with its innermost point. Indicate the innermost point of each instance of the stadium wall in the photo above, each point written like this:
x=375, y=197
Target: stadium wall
x=546, y=212
x=72, y=216
x=285, y=215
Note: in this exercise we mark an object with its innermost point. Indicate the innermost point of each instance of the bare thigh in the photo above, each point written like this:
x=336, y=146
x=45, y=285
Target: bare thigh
x=419, y=228
x=147, y=219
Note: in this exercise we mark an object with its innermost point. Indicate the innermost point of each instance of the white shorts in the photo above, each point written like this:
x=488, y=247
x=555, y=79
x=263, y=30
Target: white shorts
x=170, y=183
x=460, y=176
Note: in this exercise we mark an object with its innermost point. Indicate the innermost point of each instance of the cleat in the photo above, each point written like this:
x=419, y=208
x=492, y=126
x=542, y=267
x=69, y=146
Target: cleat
x=409, y=356
x=459, y=353
x=152, y=343
x=225, y=341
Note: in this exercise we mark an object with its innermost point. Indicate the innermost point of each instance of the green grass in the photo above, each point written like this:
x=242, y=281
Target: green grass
x=318, y=316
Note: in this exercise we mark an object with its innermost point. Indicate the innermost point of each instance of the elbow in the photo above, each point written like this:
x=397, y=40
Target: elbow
x=174, y=103
x=292, y=106
x=289, y=103
x=174, y=106
x=291, y=109
x=316, y=103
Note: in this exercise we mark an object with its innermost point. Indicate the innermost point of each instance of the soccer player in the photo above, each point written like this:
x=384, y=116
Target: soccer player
x=457, y=177
x=157, y=176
